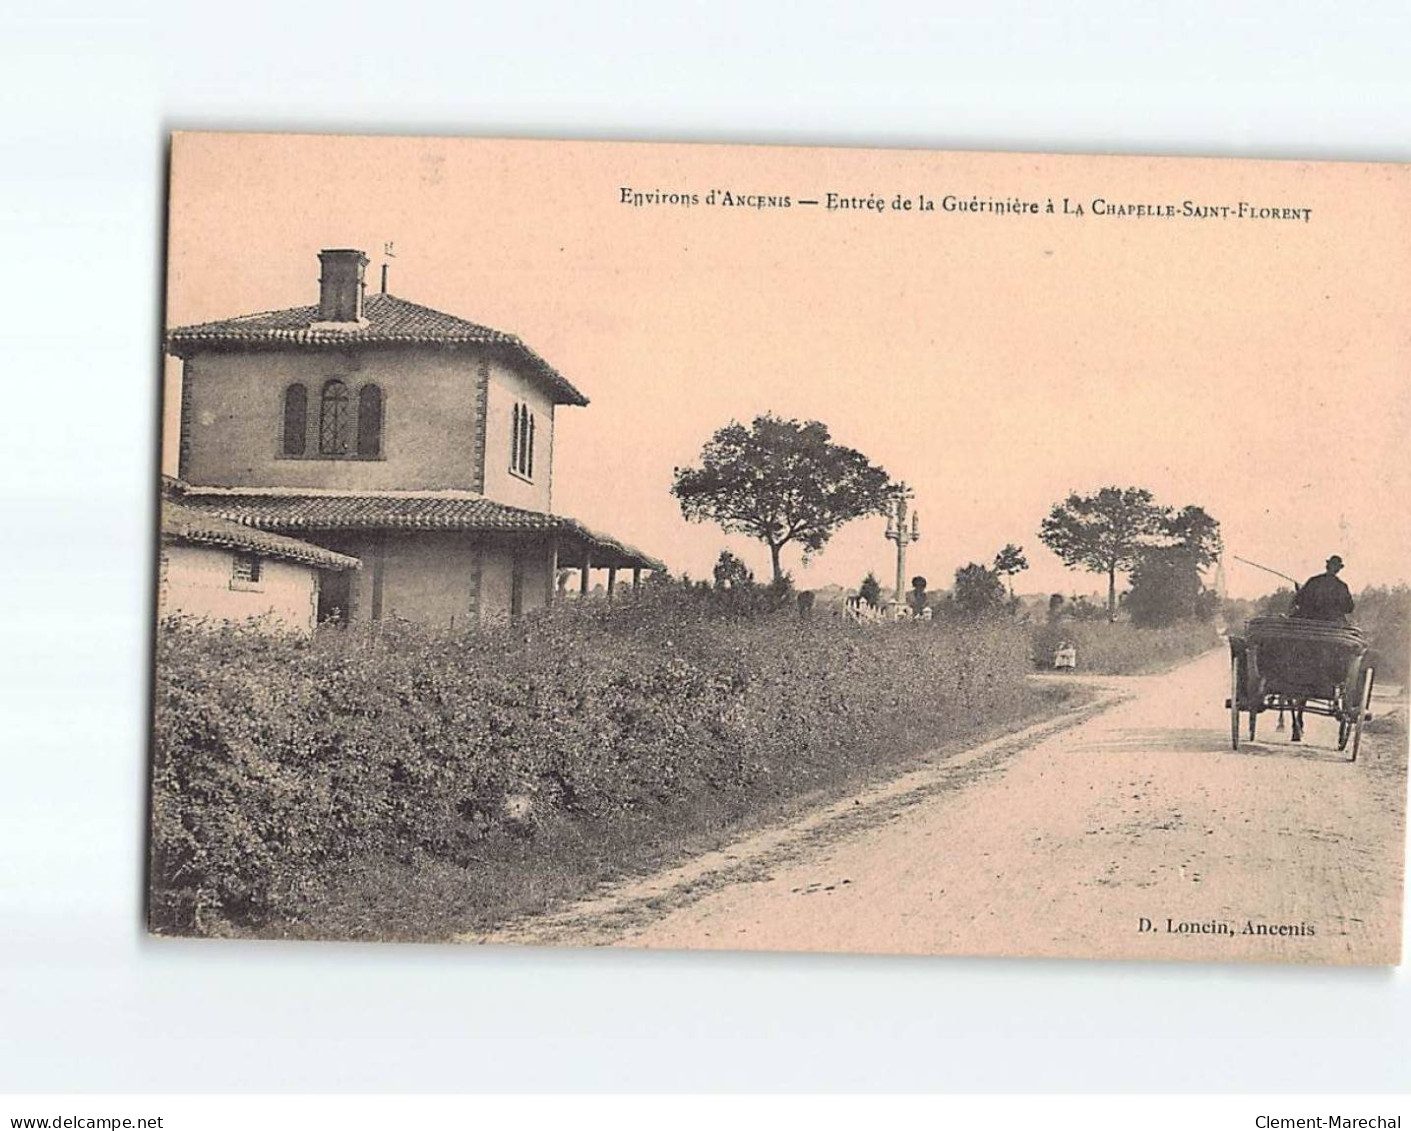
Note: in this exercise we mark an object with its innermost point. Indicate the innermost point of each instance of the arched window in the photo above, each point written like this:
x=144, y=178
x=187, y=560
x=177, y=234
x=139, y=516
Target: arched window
x=522, y=442
x=296, y=419
x=369, y=422
x=333, y=422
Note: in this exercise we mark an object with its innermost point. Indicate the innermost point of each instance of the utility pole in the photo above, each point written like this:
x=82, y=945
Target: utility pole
x=898, y=532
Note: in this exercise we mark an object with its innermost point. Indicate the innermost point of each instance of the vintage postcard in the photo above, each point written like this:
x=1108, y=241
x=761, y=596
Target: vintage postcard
x=802, y=549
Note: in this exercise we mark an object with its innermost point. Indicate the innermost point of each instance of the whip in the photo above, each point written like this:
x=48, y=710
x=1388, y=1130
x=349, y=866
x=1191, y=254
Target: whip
x=1266, y=569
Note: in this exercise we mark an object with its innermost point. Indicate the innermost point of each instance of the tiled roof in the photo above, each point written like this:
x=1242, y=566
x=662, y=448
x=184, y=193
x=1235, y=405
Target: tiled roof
x=388, y=320
x=184, y=524
x=295, y=510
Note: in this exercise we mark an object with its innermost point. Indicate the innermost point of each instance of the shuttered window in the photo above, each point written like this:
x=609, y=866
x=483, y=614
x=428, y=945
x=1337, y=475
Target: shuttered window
x=296, y=419
x=369, y=422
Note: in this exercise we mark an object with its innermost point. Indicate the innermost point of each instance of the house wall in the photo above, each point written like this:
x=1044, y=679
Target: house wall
x=429, y=578
x=441, y=579
x=432, y=433
x=506, y=387
x=497, y=578
x=196, y=582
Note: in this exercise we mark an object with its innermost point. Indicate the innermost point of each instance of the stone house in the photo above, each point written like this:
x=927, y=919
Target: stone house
x=417, y=442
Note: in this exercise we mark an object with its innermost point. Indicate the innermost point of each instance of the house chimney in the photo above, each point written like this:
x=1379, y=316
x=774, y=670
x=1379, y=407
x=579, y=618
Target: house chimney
x=340, y=285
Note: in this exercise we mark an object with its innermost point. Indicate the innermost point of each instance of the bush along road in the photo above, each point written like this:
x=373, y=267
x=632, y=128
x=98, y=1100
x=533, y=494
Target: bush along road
x=1136, y=833
x=410, y=784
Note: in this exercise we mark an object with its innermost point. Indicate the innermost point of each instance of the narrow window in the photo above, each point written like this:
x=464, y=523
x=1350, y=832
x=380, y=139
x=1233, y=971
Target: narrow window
x=244, y=570
x=369, y=422
x=333, y=420
x=296, y=419
x=522, y=442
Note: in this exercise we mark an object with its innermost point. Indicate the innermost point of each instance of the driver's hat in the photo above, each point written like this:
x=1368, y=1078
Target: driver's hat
x=1335, y=562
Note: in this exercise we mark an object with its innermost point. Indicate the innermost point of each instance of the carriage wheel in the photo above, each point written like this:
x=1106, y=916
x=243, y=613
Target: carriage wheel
x=1364, y=701
x=1235, y=689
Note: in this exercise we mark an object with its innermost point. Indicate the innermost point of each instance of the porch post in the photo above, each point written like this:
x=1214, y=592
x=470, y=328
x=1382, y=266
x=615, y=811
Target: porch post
x=636, y=580
x=612, y=580
x=586, y=574
x=553, y=570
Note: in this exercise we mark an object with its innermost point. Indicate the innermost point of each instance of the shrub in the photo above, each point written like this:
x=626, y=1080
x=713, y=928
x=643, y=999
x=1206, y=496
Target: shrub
x=1120, y=648
x=978, y=589
x=280, y=762
x=1385, y=616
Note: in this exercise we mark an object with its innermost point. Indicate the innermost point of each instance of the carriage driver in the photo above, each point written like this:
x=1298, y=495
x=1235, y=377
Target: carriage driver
x=1324, y=597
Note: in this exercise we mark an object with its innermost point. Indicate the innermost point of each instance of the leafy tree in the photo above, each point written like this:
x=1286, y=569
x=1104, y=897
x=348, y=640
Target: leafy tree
x=780, y=481
x=1104, y=532
x=1166, y=587
x=731, y=573
x=1010, y=561
x=1055, y=605
x=870, y=590
x=978, y=589
x=1196, y=532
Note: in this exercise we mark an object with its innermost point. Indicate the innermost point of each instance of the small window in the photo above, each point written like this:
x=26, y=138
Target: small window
x=334, y=422
x=522, y=442
x=369, y=422
x=296, y=419
x=245, y=572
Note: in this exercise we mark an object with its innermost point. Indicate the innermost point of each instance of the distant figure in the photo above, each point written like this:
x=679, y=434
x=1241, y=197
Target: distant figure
x=916, y=599
x=1324, y=597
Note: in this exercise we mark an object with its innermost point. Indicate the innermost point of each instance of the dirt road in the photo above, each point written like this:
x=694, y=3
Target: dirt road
x=1130, y=832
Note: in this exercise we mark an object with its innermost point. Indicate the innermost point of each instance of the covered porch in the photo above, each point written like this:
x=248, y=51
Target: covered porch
x=587, y=563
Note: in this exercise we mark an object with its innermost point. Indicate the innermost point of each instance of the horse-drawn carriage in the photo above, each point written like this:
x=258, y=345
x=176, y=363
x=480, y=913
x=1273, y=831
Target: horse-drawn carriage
x=1297, y=666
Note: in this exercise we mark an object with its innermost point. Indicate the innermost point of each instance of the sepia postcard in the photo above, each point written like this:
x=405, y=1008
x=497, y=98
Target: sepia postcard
x=781, y=548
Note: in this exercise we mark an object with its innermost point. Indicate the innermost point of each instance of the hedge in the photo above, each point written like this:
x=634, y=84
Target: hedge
x=278, y=760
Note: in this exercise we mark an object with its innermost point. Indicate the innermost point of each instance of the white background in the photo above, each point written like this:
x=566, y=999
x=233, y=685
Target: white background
x=87, y=1003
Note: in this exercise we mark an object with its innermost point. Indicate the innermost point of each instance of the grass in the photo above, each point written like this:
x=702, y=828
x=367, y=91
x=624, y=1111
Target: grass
x=1106, y=648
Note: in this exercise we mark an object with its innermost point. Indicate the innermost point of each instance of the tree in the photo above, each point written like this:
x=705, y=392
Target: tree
x=1166, y=587
x=731, y=573
x=1104, y=532
x=780, y=481
x=1196, y=532
x=978, y=589
x=1010, y=561
x=870, y=590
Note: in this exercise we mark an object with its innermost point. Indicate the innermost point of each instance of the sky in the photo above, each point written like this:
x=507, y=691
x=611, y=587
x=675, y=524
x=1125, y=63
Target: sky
x=995, y=362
